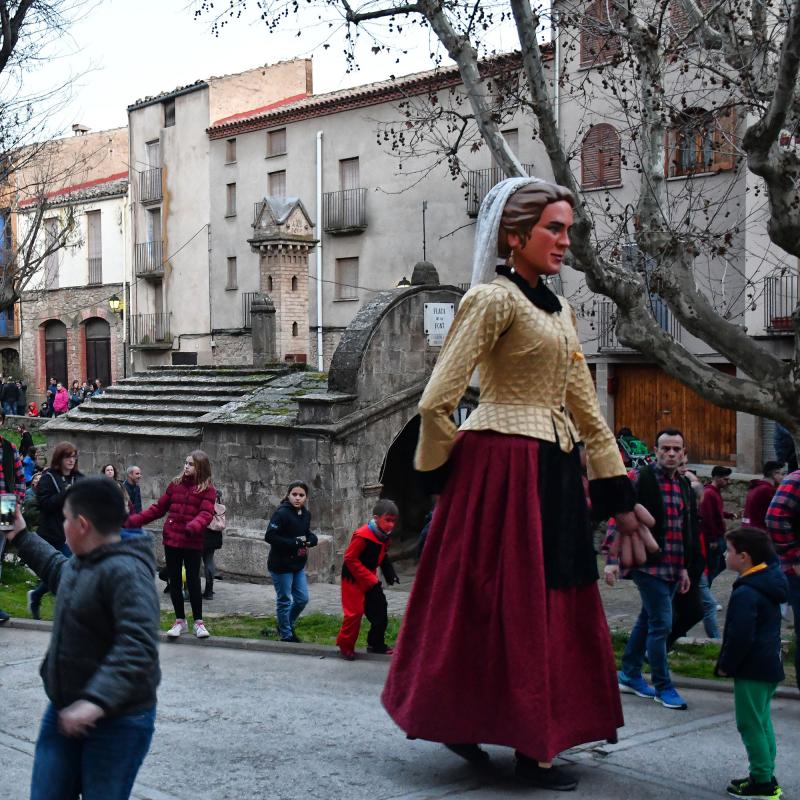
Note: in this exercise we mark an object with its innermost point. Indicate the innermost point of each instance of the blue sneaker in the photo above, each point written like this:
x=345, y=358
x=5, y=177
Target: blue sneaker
x=637, y=686
x=669, y=698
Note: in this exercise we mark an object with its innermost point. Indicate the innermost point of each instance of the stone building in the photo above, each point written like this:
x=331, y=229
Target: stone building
x=73, y=191
x=174, y=235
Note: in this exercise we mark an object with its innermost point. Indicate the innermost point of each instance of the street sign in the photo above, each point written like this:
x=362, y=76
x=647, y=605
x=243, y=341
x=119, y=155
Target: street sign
x=438, y=317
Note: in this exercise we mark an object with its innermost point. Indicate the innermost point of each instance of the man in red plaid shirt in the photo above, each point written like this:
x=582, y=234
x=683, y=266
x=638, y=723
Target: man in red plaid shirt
x=668, y=496
x=783, y=526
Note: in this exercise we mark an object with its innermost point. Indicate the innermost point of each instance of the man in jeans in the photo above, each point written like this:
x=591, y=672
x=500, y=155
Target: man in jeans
x=669, y=498
x=712, y=520
x=783, y=526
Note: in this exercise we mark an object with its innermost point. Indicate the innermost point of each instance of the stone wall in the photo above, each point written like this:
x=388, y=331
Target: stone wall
x=233, y=349
x=330, y=341
x=73, y=306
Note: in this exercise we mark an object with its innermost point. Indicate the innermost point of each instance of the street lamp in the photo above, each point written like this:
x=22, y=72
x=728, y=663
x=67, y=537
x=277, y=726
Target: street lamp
x=116, y=305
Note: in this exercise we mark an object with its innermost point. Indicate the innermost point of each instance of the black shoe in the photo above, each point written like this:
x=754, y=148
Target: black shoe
x=4, y=617
x=166, y=589
x=383, y=650
x=469, y=752
x=748, y=788
x=528, y=771
x=208, y=595
x=291, y=638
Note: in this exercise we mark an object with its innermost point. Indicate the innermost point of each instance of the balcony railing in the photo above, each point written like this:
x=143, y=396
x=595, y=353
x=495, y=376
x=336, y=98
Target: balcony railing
x=95, y=271
x=151, y=330
x=148, y=259
x=480, y=181
x=607, y=320
x=150, y=185
x=345, y=211
x=780, y=299
x=247, y=300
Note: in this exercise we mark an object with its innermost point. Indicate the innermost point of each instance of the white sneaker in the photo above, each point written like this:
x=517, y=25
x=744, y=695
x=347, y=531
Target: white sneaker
x=177, y=629
x=200, y=630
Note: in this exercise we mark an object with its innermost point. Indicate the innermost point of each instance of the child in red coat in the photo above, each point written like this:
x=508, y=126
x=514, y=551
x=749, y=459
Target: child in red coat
x=361, y=589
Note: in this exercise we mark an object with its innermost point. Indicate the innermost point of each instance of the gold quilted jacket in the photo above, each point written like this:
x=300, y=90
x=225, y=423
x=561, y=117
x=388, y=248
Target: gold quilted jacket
x=532, y=370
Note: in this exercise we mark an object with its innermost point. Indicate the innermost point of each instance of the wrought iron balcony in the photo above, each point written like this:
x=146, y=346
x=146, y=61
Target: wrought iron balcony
x=151, y=331
x=247, y=300
x=480, y=181
x=150, y=185
x=95, y=271
x=607, y=321
x=148, y=260
x=345, y=212
x=780, y=299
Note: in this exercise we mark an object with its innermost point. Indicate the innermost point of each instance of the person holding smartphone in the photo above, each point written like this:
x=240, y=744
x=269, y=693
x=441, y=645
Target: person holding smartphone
x=12, y=491
x=55, y=483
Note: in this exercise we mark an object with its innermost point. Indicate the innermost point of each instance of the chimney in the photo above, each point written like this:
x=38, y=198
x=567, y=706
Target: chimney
x=80, y=130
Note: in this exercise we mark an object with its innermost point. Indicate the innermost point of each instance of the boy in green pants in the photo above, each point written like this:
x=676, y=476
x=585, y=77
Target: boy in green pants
x=751, y=654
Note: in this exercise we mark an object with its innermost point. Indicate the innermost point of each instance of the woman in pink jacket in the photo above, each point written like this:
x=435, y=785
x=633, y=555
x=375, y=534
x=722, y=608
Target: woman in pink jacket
x=188, y=505
x=61, y=399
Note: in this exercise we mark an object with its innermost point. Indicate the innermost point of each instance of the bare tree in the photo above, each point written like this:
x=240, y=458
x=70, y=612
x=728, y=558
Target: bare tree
x=33, y=170
x=658, y=64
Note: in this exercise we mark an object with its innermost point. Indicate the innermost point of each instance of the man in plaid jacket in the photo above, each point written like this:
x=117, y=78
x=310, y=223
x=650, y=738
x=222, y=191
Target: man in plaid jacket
x=783, y=526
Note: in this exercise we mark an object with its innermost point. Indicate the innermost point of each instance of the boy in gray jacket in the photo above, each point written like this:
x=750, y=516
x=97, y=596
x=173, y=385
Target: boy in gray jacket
x=101, y=669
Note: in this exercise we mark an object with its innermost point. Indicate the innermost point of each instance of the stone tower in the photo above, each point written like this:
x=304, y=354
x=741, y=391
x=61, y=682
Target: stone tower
x=283, y=235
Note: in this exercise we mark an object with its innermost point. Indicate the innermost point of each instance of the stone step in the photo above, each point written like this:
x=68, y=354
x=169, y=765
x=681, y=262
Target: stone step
x=196, y=380
x=153, y=420
x=65, y=425
x=231, y=370
x=200, y=390
x=158, y=408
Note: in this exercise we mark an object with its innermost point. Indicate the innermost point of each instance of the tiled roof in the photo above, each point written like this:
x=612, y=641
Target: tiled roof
x=356, y=97
x=110, y=186
x=157, y=98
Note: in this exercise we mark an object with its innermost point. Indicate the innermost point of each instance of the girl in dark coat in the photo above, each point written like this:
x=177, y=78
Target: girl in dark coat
x=289, y=537
x=51, y=492
x=188, y=505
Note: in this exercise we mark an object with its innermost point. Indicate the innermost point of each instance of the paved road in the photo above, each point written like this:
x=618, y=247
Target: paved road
x=237, y=724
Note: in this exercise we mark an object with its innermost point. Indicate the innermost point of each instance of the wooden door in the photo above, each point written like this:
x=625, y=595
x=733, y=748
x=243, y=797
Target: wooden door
x=98, y=360
x=648, y=400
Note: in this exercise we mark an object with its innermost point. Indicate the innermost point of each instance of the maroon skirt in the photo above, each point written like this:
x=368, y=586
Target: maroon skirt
x=487, y=653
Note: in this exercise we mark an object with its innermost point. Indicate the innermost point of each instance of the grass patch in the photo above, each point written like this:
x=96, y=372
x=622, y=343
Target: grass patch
x=16, y=582
x=14, y=437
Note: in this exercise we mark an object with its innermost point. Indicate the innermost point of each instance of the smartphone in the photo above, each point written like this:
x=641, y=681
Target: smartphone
x=8, y=509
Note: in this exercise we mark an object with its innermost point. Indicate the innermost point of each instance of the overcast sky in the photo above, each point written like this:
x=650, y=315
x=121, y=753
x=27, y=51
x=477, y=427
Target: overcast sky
x=124, y=50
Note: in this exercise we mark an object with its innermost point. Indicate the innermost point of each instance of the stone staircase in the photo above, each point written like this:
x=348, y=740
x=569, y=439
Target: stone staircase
x=165, y=401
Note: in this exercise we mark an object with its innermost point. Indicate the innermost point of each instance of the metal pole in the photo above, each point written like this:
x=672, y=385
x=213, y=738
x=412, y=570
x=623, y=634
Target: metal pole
x=424, y=236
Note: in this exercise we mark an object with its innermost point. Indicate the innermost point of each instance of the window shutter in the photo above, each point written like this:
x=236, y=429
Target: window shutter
x=599, y=44
x=725, y=139
x=600, y=157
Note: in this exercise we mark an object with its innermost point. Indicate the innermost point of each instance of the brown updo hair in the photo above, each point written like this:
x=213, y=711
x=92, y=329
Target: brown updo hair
x=523, y=209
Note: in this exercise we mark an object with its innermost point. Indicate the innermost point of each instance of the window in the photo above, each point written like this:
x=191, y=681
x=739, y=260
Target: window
x=231, y=280
x=512, y=139
x=95, y=247
x=680, y=24
x=276, y=183
x=701, y=141
x=346, y=279
x=51, y=252
x=294, y=283
x=230, y=200
x=349, y=177
x=599, y=43
x=600, y=157
x=276, y=142
x=294, y=329
x=169, y=113
x=153, y=150
x=230, y=151
x=269, y=283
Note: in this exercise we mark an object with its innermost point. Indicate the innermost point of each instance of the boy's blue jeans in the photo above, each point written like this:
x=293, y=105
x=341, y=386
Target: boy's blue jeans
x=291, y=592
x=99, y=766
x=650, y=631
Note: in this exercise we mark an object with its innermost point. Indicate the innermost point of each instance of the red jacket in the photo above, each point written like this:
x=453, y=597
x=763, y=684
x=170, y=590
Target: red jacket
x=713, y=515
x=188, y=513
x=759, y=496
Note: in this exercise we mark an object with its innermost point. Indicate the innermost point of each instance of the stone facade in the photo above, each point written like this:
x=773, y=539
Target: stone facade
x=233, y=348
x=74, y=307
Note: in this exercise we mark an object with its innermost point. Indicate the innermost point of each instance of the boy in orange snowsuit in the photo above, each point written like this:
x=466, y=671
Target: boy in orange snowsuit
x=361, y=589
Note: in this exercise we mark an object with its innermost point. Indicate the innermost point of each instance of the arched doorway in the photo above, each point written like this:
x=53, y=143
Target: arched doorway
x=401, y=485
x=98, y=350
x=55, y=351
x=9, y=362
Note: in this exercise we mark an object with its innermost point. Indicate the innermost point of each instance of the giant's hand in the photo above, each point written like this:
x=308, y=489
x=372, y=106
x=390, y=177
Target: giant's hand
x=634, y=540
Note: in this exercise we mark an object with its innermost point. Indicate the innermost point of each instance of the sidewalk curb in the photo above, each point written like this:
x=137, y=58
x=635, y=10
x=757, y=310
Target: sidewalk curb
x=329, y=651
x=225, y=642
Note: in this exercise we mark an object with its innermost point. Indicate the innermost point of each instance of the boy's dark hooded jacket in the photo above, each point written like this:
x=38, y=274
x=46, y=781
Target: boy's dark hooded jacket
x=751, y=644
x=104, y=645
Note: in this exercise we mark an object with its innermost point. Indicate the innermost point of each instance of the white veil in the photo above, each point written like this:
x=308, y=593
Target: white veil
x=485, y=256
